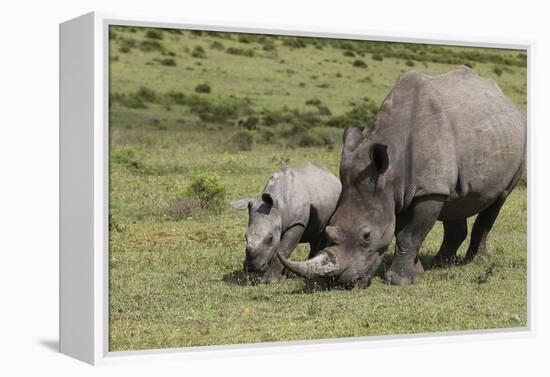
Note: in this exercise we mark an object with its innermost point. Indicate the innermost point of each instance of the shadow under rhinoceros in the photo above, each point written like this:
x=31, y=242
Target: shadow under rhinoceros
x=321, y=284
x=242, y=278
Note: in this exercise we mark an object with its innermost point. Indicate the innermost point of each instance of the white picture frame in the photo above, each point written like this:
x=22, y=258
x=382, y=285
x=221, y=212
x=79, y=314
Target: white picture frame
x=84, y=191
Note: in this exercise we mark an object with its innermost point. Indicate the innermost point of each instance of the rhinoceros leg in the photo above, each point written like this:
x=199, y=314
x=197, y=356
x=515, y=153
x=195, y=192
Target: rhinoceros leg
x=289, y=241
x=317, y=245
x=455, y=233
x=411, y=229
x=482, y=226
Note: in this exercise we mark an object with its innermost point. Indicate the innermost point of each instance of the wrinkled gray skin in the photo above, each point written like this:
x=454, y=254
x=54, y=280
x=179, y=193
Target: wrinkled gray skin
x=294, y=207
x=441, y=148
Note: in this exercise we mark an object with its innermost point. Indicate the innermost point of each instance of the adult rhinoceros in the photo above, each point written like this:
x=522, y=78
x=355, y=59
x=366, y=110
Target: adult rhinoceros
x=442, y=148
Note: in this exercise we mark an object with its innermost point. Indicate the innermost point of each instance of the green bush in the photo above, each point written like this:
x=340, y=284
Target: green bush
x=150, y=45
x=409, y=63
x=240, y=51
x=146, y=94
x=169, y=62
x=323, y=110
x=360, y=114
x=377, y=57
x=223, y=110
x=309, y=140
x=243, y=140
x=208, y=191
x=498, y=71
x=359, y=63
x=313, y=102
x=267, y=136
x=126, y=44
x=216, y=45
x=203, y=88
x=153, y=34
x=247, y=38
x=250, y=123
x=349, y=53
x=269, y=47
x=198, y=52
x=295, y=42
x=129, y=157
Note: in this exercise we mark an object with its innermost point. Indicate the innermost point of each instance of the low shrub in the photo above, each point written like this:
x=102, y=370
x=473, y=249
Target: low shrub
x=198, y=52
x=324, y=110
x=246, y=38
x=269, y=47
x=203, y=88
x=154, y=34
x=266, y=135
x=223, y=110
x=129, y=157
x=358, y=63
x=313, y=102
x=216, y=45
x=307, y=139
x=146, y=94
x=243, y=140
x=240, y=51
x=295, y=42
x=126, y=44
x=409, y=63
x=168, y=62
x=377, y=57
x=498, y=71
x=360, y=114
x=250, y=123
x=349, y=53
x=208, y=191
x=150, y=45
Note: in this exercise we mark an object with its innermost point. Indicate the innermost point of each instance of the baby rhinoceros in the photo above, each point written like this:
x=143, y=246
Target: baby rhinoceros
x=294, y=207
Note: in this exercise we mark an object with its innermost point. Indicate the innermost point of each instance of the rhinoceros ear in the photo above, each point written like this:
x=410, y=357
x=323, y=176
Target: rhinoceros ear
x=334, y=234
x=268, y=199
x=379, y=156
x=353, y=136
x=242, y=204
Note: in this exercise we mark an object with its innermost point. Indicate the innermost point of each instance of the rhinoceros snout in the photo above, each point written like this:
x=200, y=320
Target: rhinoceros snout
x=254, y=266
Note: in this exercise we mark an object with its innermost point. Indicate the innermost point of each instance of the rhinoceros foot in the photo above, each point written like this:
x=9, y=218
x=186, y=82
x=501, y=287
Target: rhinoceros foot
x=400, y=274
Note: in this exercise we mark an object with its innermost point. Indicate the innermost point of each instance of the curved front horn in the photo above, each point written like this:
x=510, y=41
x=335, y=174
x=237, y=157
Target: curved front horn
x=321, y=265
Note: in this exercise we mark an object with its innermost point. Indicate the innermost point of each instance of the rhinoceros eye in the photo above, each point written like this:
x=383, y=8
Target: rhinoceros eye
x=269, y=239
x=365, y=237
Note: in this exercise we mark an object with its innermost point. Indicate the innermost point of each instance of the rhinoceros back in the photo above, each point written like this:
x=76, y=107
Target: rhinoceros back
x=457, y=135
x=307, y=195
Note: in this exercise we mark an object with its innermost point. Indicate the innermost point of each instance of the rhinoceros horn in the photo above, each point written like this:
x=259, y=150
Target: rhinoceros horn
x=319, y=266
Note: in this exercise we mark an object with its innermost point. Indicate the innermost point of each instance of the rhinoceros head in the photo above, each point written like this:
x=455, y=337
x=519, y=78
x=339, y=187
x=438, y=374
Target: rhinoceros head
x=264, y=231
x=362, y=225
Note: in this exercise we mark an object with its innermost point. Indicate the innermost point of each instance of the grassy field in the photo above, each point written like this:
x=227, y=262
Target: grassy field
x=234, y=108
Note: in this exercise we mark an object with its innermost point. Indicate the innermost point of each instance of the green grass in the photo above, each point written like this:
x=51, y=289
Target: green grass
x=179, y=283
